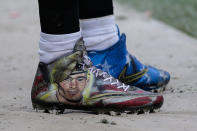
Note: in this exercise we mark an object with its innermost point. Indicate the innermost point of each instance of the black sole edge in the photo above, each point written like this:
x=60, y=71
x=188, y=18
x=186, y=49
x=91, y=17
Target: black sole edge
x=59, y=109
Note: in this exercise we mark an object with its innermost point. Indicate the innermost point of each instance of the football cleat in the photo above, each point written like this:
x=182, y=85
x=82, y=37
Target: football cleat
x=117, y=61
x=72, y=82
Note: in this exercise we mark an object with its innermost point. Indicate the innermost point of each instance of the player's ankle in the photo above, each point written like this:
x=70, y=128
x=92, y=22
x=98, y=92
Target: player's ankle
x=99, y=33
x=52, y=47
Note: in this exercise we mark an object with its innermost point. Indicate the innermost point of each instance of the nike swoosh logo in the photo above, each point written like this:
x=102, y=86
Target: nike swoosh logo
x=131, y=78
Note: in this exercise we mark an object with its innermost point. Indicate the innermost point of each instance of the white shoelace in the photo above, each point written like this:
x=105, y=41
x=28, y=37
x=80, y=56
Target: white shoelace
x=105, y=75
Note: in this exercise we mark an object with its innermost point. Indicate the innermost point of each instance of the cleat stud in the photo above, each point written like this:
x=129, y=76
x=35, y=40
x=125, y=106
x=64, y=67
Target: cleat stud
x=140, y=112
x=46, y=111
x=152, y=111
x=61, y=111
x=57, y=113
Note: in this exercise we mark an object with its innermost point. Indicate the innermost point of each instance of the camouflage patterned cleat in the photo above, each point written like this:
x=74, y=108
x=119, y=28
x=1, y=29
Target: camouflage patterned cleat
x=71, y=82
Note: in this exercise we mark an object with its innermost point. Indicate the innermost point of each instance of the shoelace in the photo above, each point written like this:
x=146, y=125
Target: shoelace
x=105, y=75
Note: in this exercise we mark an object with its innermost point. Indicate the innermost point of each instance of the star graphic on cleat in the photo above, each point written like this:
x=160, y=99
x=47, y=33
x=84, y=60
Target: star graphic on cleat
x=105, y=66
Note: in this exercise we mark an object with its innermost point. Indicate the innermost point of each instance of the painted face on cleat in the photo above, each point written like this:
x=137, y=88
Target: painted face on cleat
x=70, y=90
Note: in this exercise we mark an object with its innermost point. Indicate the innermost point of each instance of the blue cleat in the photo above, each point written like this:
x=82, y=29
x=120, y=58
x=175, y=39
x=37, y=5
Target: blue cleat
x=117, y=61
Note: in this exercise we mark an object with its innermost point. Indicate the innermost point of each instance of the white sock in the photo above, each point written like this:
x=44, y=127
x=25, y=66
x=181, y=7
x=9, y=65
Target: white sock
x=52, y=47
x=99, y=33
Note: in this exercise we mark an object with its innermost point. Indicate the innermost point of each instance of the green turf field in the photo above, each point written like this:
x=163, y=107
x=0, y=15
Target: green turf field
x=182, y=14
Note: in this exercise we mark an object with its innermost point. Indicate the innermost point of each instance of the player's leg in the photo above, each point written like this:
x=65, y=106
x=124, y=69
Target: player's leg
x=98, y=24
x=60, y=29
